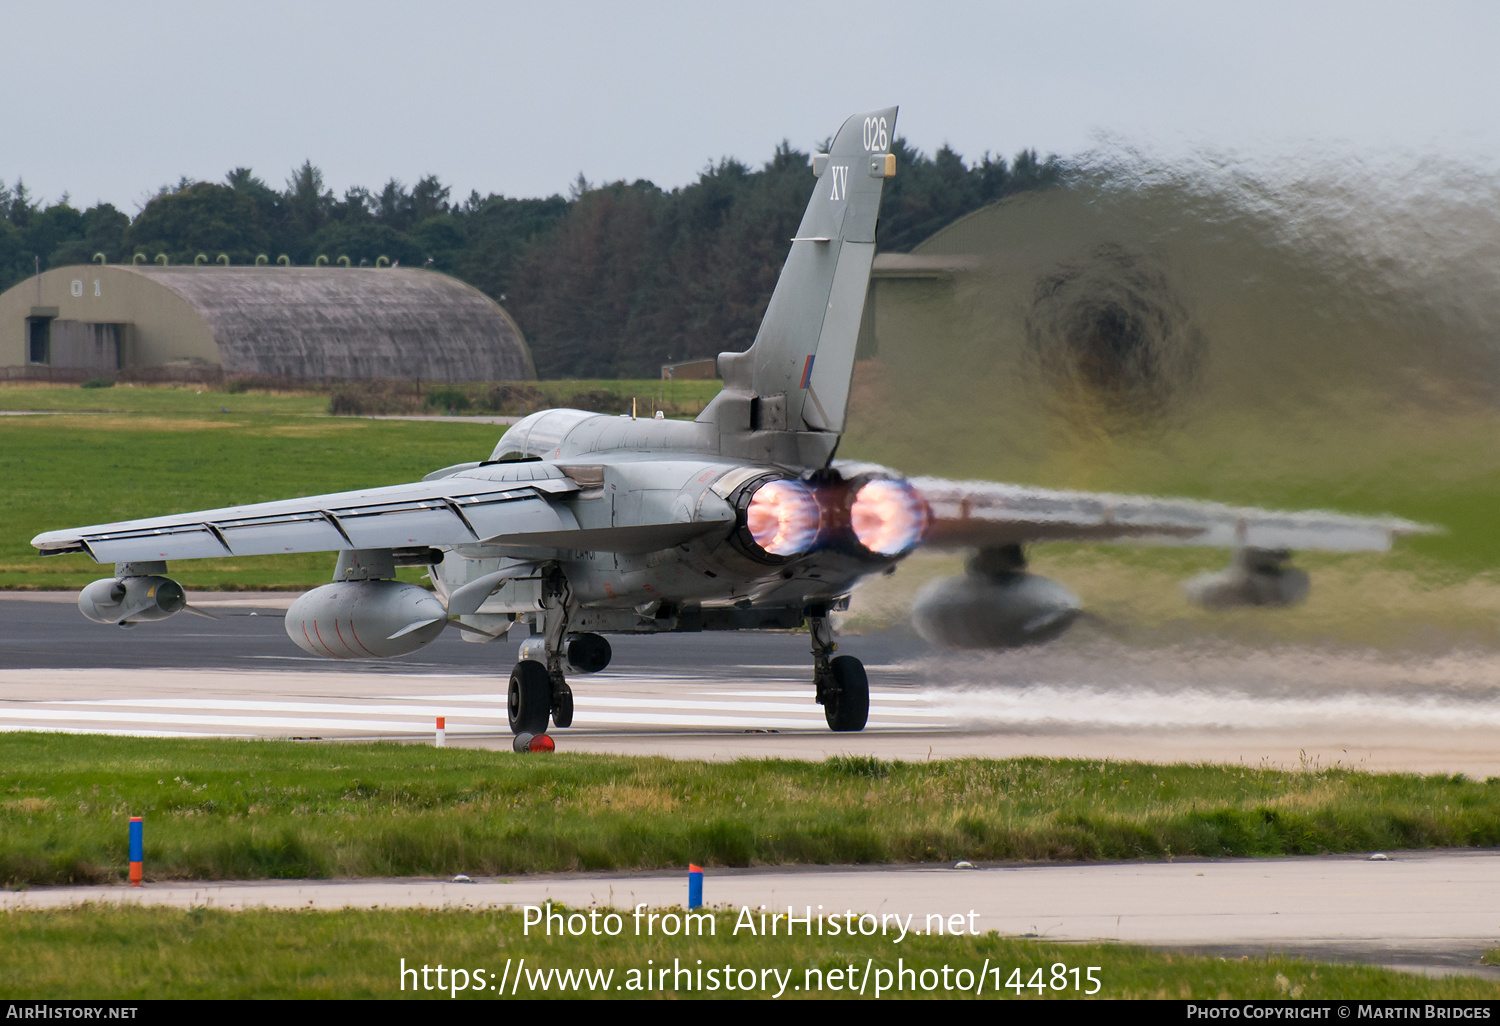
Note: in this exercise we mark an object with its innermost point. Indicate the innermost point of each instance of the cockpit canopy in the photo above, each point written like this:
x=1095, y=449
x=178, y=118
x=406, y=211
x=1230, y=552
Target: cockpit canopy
x=540, y=434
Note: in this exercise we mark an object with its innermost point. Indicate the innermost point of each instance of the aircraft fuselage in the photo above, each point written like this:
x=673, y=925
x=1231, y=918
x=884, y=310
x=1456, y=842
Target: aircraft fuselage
x=692, y=561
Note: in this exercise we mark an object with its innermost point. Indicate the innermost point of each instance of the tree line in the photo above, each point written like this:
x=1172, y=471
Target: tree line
x=609, y=281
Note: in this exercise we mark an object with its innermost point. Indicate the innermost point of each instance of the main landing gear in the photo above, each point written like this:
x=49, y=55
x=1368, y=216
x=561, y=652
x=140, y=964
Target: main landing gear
x=843, y=690
x=529, y=700
x=538, y=687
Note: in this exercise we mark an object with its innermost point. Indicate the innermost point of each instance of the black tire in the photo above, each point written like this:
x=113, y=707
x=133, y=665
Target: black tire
x=562, y=707
x=846, y=705
x=529, y=700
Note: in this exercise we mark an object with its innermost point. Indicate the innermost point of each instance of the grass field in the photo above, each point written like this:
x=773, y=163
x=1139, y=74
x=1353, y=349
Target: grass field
x=1351, y=451
x=678, y=397
x=221, y=809
x=161, y=450
x=71, y=470
x=140, y=953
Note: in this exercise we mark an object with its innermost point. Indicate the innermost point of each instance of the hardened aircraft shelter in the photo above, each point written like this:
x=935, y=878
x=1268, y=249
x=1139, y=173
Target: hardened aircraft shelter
x=301, y=323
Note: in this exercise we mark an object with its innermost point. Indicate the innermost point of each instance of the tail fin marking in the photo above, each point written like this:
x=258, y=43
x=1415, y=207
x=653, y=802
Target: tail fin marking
x=804, y=350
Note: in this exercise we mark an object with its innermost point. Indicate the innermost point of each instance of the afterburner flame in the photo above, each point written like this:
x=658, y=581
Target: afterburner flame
x=783, y=517
x=888, y=517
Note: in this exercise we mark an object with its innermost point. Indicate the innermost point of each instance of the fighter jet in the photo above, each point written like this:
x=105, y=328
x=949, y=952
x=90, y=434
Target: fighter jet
x=580, y=525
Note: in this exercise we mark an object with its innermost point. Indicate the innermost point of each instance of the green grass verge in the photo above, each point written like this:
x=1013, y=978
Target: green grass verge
x=138, y=953
x=220, y=809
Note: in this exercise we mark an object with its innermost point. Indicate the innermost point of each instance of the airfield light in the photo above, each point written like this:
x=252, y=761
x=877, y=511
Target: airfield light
x=888, y=517
x=783, y=517
x=523, y=743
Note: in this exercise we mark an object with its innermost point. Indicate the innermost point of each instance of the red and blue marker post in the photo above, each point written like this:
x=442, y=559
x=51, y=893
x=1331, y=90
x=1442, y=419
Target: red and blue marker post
x=695, y=886
x=137, y=850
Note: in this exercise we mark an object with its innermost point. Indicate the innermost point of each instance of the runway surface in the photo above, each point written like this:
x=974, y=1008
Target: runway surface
x=730, y=695
x=1428, y=911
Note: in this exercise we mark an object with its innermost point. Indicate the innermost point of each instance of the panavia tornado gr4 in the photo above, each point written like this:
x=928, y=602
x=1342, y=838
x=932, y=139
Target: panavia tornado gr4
x=580, y=524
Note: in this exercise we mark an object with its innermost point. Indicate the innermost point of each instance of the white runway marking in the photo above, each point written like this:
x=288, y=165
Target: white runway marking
x=116, y=733
x=605, y=703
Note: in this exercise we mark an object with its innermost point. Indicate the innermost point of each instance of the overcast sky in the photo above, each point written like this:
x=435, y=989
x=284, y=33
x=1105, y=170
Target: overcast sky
x=110, y=100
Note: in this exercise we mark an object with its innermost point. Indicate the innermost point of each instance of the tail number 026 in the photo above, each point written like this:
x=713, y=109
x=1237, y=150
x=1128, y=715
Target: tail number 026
x=877, y=136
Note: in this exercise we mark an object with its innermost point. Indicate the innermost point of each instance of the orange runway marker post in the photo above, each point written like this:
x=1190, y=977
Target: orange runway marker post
x=137, y=850
x=442, y=732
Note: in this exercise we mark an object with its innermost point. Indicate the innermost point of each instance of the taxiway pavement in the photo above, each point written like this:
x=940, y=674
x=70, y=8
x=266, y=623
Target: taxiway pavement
x=1428, y=911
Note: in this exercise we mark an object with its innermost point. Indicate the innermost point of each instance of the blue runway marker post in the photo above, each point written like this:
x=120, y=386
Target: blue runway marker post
x=137, y=850
x=695, y=886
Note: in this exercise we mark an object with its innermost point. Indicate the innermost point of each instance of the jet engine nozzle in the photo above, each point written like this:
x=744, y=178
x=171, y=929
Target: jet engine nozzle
x=887, y=515
x=996, y=604
x=1255, y=577
x=128, y=600
x=780, y=518
x=365, y=619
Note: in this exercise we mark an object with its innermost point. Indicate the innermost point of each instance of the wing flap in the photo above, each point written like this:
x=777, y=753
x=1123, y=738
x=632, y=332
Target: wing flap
x=261, y=535
x=184, y=542
x=980, y=513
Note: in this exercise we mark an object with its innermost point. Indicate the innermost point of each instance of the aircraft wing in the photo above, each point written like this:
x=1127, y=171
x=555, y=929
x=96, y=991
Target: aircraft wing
x=982, y=514
x=451, y=510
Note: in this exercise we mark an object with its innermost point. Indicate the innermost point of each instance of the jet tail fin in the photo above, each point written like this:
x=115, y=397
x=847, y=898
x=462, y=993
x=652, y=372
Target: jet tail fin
x=796, y=375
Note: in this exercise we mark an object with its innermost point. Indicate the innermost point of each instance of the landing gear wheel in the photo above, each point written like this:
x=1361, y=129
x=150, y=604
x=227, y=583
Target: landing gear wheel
x=562, y=706
x=530, y=698
x=846, y=704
